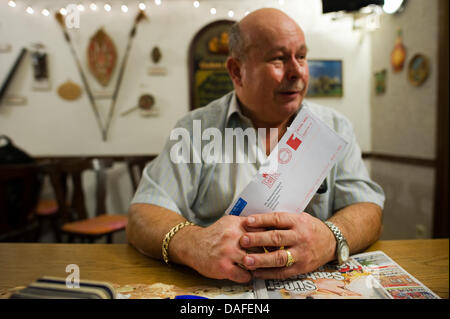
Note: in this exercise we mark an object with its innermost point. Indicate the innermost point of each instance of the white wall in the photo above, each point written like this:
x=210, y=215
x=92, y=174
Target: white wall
x=404, y=121
x=48, y=125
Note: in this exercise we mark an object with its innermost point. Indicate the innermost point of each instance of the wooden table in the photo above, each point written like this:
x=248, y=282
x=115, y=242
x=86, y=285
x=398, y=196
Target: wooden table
x=427, y=260
x=20, y=264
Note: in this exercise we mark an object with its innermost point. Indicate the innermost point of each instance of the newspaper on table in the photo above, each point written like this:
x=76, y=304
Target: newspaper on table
x=371, y=275
x=397, y=281
x=294, y=170
x=331, y=281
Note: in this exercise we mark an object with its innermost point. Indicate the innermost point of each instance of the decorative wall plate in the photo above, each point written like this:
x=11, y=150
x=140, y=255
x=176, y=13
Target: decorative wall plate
x=418, y=69
x=102, y=56
x=69, y=91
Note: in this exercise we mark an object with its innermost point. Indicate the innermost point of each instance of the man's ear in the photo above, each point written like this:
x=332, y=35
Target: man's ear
x=234, y=70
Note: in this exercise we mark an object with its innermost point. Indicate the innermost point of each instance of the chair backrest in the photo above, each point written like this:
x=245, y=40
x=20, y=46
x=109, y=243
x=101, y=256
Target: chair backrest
x=20, y=186
x=70, y=172
x=136, y=165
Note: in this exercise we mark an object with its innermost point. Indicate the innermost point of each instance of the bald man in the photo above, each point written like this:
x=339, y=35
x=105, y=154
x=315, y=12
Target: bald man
x=177, y=213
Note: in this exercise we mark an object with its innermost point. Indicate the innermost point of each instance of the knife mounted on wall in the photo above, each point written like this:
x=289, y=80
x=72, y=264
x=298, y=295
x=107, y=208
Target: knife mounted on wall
x=11, y=73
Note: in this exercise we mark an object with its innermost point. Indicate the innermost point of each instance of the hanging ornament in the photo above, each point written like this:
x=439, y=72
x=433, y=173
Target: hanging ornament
x=156, y=55
x=39, y=61
x=102, y=56
x=69, y=91
x=398, y=54
x=145, y=104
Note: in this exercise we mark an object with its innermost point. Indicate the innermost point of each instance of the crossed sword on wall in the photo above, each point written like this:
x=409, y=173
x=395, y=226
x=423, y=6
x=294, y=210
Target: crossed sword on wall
x=104, y=130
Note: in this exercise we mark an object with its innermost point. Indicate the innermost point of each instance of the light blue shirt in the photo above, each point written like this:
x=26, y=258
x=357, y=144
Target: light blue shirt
x=201, y=192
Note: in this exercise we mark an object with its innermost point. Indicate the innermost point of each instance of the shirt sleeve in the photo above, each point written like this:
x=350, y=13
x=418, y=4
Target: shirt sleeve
x=170, y=183
x=353, y=184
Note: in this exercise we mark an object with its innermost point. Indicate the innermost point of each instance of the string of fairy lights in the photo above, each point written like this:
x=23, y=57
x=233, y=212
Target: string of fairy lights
x=108, y=6
x=368, y=18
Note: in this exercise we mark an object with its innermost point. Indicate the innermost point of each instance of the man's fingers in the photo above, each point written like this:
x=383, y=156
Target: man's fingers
x=277, y=258
x=275, y=220
x=240, y=275
x=271, y=238
x=254, y=229
x=274, y=273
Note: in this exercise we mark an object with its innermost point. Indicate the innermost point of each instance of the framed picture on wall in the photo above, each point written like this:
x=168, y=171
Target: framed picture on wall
x=208, y=75
x=380, y=82
x=325, y=78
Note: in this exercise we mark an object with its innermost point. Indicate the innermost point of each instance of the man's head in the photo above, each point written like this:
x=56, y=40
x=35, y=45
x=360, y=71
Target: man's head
x=268, y=65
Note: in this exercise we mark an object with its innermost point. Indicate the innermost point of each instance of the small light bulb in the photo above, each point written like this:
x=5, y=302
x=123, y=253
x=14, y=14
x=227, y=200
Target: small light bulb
x=29, y=10
x=158, y=2
x=12, y=4
x=80, y=7
x=107, y=7
x=93, y=6
x=124, y=8
x=45, y=12
x=196, y=4
x=213, y=11
x=230, y=13
x=142, y=6
x=280, y=2
x=63, y=11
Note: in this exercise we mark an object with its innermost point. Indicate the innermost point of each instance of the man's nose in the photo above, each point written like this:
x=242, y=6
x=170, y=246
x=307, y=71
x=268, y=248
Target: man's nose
x=296, y=68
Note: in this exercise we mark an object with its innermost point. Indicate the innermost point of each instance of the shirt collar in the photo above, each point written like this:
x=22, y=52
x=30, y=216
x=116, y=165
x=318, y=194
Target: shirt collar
x=236, y=108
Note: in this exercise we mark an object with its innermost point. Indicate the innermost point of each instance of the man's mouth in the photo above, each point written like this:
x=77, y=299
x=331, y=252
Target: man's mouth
x=294, y=90
x=290, y=92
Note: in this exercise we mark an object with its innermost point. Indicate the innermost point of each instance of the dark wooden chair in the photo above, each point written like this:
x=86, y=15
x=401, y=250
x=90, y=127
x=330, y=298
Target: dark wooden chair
x=20, y=186
x=47, y=209
x=76, y=223
x=136, y=165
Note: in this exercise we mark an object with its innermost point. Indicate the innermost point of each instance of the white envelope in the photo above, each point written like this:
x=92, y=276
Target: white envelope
x=294, y=170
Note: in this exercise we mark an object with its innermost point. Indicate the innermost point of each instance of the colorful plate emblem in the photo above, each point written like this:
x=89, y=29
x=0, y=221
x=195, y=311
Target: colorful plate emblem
x=418, y=69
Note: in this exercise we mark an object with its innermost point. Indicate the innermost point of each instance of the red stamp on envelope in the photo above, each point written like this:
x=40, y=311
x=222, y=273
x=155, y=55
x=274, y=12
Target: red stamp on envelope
x=270, y=179
x=284, y=155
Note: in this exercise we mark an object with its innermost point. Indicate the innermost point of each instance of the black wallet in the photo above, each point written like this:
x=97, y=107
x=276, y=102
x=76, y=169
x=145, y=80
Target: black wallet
x=56, y=288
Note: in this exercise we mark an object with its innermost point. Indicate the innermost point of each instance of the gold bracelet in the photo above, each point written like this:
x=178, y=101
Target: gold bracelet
x=168, y=238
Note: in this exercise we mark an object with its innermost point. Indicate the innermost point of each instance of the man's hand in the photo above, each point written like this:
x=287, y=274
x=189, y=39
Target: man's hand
x=308, y=239
x=214, y=251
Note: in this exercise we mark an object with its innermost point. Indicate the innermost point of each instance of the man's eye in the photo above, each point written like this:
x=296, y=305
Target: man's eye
x=278, y=58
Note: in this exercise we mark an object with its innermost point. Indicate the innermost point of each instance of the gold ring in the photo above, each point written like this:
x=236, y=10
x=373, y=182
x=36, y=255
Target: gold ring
x=290, y=259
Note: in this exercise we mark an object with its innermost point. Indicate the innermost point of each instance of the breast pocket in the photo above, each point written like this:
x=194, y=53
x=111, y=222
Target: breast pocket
x=318, y=206
x=323, y=187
